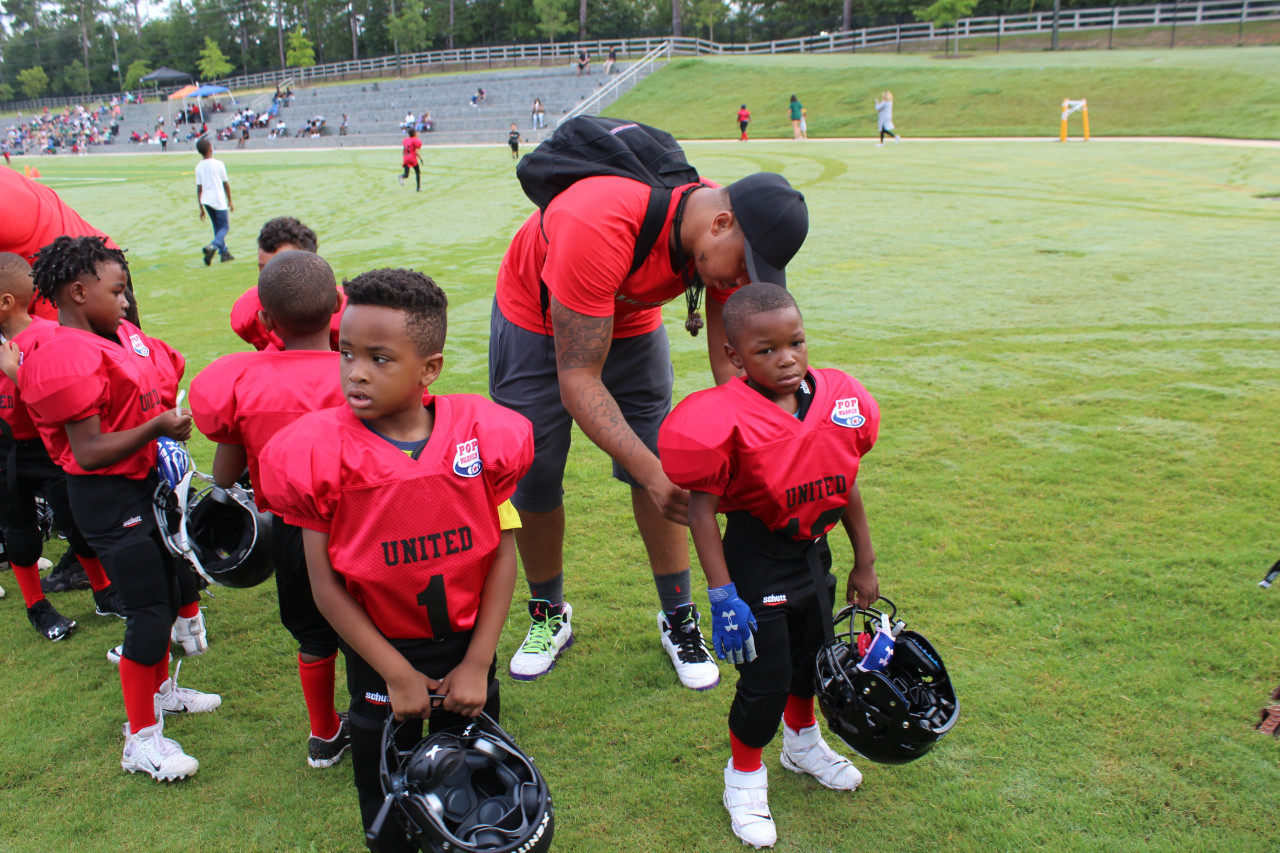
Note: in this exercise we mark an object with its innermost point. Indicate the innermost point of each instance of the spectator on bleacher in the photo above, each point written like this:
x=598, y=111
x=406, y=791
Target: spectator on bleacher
x=539, y=114
x=425, y=124
x=613, y=58
x=584, y=62
x=342, y=128
x=244, y=136
x=478, y=98
x=409, y=121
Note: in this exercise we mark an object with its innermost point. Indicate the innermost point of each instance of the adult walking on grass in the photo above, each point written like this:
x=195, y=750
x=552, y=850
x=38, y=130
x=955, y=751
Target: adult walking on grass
x=576, y=336
x=884, y=116
x=213, y=193
x=797, y=113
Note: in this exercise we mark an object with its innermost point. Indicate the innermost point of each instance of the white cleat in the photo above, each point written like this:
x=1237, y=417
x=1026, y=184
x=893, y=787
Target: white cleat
x=746, y=796
x=806, y=752
x=683, y=643
x=550, y=634
x=172, y=699
x=160, y=757
x=114, y=655
x=191, y=635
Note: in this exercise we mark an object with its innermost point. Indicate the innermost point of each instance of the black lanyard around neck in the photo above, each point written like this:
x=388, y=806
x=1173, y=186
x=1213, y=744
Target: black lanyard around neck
x=693, y=285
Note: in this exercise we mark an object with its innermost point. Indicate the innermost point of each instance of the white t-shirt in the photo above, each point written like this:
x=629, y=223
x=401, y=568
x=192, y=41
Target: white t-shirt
x=210, y=176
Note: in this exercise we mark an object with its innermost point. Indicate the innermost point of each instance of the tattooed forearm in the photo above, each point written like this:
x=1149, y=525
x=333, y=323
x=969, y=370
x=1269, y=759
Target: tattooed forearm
x=581, y=341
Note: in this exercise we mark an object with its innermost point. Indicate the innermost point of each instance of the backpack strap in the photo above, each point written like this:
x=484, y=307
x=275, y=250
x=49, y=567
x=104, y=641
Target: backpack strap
x=655, y=216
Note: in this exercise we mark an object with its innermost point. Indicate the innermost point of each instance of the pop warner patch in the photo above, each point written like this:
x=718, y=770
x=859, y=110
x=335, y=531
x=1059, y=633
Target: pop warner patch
x=138, y=346
x=466, y=462
x=846, y=413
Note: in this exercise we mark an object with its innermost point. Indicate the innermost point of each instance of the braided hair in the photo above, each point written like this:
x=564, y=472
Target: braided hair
x=67, y=258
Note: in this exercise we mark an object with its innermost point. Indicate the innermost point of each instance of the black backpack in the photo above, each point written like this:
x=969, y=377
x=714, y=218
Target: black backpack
x=594, y=146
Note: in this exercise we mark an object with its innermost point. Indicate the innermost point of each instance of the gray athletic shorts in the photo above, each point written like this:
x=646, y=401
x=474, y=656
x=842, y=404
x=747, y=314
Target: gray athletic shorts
x=522, y=376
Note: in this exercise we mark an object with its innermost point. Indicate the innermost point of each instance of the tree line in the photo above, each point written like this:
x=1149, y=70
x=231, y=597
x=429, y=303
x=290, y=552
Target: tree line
x=70, y=47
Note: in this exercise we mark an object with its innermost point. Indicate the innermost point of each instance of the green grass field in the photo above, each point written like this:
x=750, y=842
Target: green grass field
x=1075, y=352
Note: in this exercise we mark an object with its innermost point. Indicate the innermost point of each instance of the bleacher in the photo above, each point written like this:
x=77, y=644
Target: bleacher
x=375, y=110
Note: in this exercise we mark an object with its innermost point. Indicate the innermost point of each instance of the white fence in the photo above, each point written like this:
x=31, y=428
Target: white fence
x=875, y=38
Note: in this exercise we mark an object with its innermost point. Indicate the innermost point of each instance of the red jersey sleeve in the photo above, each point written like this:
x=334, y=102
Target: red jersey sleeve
x=301, y=473
x=64, y=387
x=245, y=322
x=865, y=438
x=213, y=402
x=694, y=453
x=507, y=440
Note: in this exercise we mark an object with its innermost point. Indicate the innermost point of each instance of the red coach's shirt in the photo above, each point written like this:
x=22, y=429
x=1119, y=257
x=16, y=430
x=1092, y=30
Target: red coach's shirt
x=12, y=409
x=411, y=144
x=744, y=114
x=790, y=474
x=32, y=216
x=245, y=322
x=413, y=539
x=591, y=230
x=126, y=382
x=247, y=397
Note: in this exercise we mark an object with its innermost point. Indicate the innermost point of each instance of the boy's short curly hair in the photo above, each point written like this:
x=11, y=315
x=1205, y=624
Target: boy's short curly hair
x=15, y=274
x=746, y=302
x=67, y=258
x=422, y=300
x=286, y=230
x=299, y=291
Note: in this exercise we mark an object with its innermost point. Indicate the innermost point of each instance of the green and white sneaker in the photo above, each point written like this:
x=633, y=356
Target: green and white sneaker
x=549, y=636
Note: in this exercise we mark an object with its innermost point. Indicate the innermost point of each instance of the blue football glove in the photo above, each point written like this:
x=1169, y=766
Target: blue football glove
x=731, y=625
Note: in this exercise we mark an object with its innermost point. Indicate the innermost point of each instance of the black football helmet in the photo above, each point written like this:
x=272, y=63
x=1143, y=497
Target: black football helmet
x=467, y=789
x=892, y=715
x=218, y=531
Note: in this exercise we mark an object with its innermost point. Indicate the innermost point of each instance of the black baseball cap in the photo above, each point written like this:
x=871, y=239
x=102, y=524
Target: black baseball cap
x=774, y=222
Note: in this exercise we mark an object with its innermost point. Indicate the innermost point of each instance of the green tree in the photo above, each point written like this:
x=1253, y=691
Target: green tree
x=138, y=69
x=73, y=78
x=553, y=17
x=213, y=62
x=410, y=29
x=944, y=13
x=301, y=53
x=6, y=92
x=33, y=81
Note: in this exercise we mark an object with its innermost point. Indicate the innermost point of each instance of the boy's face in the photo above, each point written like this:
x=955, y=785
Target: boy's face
x=101, y=298
x=771, y=349
x=383, y=374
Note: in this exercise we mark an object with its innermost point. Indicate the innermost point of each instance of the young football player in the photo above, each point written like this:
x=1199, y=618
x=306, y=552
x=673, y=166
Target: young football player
x=101, y=392
x=777, y=451
x=403, y=501
x=26, y=468
x=240, y=401
x=279, y=235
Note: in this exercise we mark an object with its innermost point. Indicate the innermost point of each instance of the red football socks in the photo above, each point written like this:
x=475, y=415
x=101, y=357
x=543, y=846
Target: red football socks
x=317, y=690
x=136, y=682
x=97, y=575
x=29, y=582
x=189, y=611
x=799, y=713
x=160, y=673
x=746, y=759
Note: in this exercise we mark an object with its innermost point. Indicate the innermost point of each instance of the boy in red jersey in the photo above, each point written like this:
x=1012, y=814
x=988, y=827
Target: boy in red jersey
x=101, y=392
x=744, y=118
x=241, y=401
x=26, y=468
x=778, y=453
x=407, y=527
x=411, y=145
x=277, y=235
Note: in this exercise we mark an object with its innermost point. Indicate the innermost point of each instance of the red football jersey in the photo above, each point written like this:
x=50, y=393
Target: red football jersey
x=411, y=144
x=247, y=397
x=792, y=475
x=77, y=374
x=582, y=248
x=12, y=409
x=245, y=322
x=413, y=539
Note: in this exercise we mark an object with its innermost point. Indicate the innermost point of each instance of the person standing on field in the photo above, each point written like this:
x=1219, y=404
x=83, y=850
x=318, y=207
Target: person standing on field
x=213, y=193
x=744, y=118
x=884, y=115
x=797, y=113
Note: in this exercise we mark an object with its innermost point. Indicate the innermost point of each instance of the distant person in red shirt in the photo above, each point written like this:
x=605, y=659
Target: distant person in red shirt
x=411, y=144
x=744, y=118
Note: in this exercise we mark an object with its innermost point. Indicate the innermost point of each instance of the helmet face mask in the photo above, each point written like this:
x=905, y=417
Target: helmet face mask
x=218, y=531
x=468, y=789
x=892, y=716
